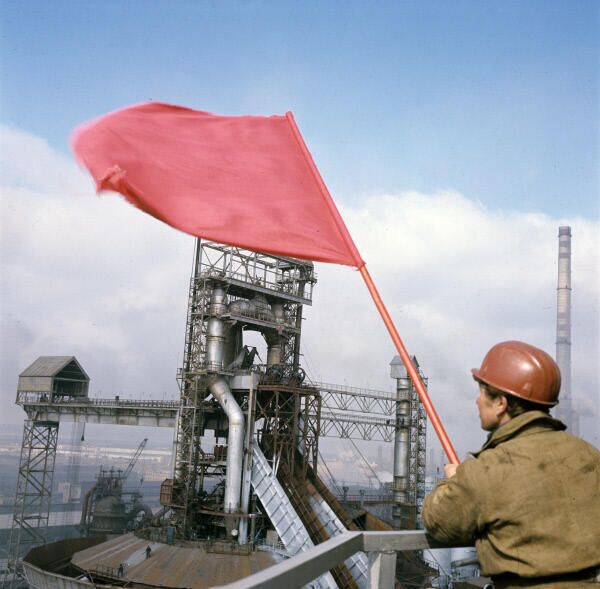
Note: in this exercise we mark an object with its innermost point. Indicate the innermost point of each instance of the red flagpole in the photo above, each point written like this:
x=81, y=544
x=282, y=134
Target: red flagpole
x=412, y=371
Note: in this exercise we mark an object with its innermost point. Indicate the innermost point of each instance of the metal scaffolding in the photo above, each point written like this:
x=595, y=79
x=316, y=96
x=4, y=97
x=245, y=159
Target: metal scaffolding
x=417, y=450
x=253, y=285
x=34, y=491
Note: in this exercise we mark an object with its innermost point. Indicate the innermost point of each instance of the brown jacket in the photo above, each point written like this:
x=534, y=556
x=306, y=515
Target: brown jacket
x=529, y=500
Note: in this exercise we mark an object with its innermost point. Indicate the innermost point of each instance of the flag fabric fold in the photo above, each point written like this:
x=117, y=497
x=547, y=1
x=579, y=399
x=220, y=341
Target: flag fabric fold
x=247, y=181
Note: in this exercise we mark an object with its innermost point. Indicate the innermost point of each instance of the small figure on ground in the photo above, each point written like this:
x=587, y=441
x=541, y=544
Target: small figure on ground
x=148, y=551
x=529, y=500
x=120, y=571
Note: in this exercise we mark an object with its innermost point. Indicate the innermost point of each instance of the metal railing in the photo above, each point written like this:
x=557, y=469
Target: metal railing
x=380, y=547
x=35, y=398
x=356, y=391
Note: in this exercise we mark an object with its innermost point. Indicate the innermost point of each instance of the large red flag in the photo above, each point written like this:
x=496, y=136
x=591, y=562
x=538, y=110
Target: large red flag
x=247, y=181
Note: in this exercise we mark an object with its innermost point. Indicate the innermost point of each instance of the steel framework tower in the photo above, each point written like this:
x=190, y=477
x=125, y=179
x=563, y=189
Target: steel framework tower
x=34, y=491
x=410, y=451
x=222, y=389
x=48, y=378
x=418, y=448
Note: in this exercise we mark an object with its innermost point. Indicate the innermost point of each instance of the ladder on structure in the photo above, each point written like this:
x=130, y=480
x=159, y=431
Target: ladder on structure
x=282, y=515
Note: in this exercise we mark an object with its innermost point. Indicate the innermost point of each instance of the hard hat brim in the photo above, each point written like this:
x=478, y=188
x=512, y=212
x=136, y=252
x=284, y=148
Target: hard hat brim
x=477, y=377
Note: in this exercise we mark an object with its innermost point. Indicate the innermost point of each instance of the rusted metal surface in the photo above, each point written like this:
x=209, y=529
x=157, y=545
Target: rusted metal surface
x=166, y=492
x=51, y=556
x=171, y=566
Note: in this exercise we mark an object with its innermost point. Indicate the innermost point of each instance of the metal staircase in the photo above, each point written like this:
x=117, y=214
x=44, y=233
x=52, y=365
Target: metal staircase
x=299, y=499
x=357, y=564
x=281, y=513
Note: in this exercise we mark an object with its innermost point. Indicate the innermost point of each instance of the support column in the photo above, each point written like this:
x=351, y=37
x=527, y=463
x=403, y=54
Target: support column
x=382, y=570
x=34, y=491
x=401, y=443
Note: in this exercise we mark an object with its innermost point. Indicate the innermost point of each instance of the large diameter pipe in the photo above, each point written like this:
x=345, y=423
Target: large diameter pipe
x=235, y=442
x=274, y=340
x=401, y=448
x=274, y=348
x=215, y=334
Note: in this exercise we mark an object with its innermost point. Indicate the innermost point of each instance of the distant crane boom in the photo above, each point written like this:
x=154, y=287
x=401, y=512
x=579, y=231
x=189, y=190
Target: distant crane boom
x=134, y=459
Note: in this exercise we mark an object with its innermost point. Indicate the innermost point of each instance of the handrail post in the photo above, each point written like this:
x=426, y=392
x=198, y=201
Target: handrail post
x=382, y=570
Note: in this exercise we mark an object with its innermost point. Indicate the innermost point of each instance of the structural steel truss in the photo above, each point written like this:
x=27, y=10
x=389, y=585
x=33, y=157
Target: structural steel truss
x=34, y=489
x=244, y=275
x=417, y=450
x=290, y=417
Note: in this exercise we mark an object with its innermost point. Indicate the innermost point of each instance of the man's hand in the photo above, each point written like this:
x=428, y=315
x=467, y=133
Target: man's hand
x=450, y=470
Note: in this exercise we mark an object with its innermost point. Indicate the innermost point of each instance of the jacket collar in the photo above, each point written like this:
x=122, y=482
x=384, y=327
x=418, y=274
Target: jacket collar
x=532, y=421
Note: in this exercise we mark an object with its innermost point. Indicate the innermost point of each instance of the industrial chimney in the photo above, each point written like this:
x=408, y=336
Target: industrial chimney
x=565, y=411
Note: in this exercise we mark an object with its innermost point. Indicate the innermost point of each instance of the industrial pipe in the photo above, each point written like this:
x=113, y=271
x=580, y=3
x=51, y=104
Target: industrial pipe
x=215, y=336
x=215, y=352
x=273, y=348
x=235, y=442
x=401, y=447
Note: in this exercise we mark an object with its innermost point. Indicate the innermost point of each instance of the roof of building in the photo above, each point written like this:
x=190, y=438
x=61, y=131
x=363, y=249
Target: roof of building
x=52, y=365
x=171, y=565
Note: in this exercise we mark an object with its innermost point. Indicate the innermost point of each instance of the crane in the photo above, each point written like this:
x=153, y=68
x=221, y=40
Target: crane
x=134, y=459
x=108, y=494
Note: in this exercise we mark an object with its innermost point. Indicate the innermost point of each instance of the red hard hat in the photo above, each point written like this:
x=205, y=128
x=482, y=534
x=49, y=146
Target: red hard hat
x=522, y=370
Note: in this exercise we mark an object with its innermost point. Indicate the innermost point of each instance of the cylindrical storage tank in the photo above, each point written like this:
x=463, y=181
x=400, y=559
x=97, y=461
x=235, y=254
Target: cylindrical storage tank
x=109, y=516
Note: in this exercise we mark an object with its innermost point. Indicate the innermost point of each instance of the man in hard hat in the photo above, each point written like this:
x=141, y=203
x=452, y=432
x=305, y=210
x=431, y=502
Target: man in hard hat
x=530, y=498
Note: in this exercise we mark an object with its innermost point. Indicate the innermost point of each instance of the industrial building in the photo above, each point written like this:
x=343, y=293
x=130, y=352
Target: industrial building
x=246, y=490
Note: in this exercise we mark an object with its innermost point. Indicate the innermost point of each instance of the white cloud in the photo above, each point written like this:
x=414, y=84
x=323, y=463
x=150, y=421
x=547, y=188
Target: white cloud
x=456, y=279
x=91, y=276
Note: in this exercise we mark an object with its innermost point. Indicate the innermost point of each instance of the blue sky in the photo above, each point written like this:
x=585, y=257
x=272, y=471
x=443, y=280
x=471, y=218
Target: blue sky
x=498, y=100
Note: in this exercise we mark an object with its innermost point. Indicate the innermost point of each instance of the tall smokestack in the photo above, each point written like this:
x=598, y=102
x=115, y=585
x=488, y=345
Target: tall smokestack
x=565, y=410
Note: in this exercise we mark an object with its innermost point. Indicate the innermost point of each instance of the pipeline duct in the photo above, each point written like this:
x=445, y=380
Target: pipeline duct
x=235, y=442
x=219, y=388
x=274, y=349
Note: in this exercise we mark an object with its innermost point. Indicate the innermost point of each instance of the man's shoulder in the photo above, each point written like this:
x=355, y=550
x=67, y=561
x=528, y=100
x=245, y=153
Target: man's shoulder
x=578, y=445
x=533, y=446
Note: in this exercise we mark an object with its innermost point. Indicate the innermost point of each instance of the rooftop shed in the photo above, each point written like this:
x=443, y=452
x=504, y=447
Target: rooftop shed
x=55, y=375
